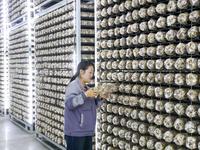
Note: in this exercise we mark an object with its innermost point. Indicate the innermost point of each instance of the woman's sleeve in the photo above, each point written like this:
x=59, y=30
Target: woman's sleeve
x=99, y=101
x=73, y=100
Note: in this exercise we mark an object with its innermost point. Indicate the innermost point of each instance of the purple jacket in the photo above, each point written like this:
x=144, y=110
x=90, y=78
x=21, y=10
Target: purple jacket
x=80, y=112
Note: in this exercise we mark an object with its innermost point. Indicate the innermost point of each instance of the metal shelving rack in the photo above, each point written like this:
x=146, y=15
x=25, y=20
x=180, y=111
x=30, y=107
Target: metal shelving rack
x=48, y=75
x=21, y=64
x=87, y=33
x=4, y=103
x=136, y=115
x=49, y=90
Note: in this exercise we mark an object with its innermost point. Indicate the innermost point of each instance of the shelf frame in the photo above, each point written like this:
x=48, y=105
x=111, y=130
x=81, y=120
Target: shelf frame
x=30, y=128
x=41, y=138
x=43, y=11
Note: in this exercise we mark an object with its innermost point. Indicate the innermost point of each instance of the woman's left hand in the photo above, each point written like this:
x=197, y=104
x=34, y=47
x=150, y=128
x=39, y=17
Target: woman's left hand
x=104, y=96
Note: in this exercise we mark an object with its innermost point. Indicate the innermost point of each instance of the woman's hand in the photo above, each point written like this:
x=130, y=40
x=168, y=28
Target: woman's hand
x=91, y=93
x=104, y=96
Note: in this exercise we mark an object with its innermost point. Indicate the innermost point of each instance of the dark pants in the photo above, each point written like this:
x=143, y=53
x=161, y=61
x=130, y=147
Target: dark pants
x=78, y=143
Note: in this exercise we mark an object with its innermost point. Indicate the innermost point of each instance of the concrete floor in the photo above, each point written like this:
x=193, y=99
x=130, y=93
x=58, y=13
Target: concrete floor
x=13, y=137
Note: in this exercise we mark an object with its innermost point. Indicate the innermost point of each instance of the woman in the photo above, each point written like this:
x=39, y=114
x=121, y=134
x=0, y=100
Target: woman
x=80, y=109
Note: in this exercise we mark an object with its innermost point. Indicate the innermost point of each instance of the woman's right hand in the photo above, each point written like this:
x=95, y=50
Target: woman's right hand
x=91, y=93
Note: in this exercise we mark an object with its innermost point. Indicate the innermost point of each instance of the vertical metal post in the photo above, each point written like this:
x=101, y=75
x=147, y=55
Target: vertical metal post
x=78, y=31
x=95, y=53
x=95, y=38
x=5, y=65
x=30, y=98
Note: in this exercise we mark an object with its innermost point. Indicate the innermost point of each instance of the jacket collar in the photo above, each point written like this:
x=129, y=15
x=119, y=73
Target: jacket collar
x=80, y=84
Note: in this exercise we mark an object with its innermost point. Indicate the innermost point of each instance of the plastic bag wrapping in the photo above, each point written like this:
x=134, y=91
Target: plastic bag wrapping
x=181, y=4
x=142, y=102
x=151, y=130
x=191, y=126
x=192, y=79
x=135, y=138
x=128, y=76
x=179, y=124
x=182, y=33
x=105, y=88
x=121, y=110
x=169, y=78
x=160, y=105
x=142, y=2
x=143, y=77
x=143, y=13
x=150, y=76
x=192, y=47
x=159, y=119
x=161, y=8
x=143, y=128
x=151, y=11
x=123, y=122
x=129, y=123
x=151, y=116
x=180, y=48
x=112, y=98
x=143, y=51
x=191, y=63
x=180, y=94
x=159, y=78
x=135, y=125
x=159, y=92
x=136, y=89
x=143, y=140
x=183, y=17
x=160, y=36
x=142, y=115
x=168, y=92
x=160, y=145
x=159, y=64
x=170, y=147
x=159, y=132
x=143, y=26
x=192, y=142
x=169, y=121
x=150, y=104
x=171, y=20
x=191, y=111
x=169, y=107
x=151, y=143
x=193, y=32
x=169, y=136
x=152, y=24
x=134, y=101
x=115, y=142
x=171, y=35
x=180, y=139
x=109, y=139
x=179, y=79
x=122, y=133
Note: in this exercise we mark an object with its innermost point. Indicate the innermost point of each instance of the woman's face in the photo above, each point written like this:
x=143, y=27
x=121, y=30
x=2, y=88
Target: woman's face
x=87, y=75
